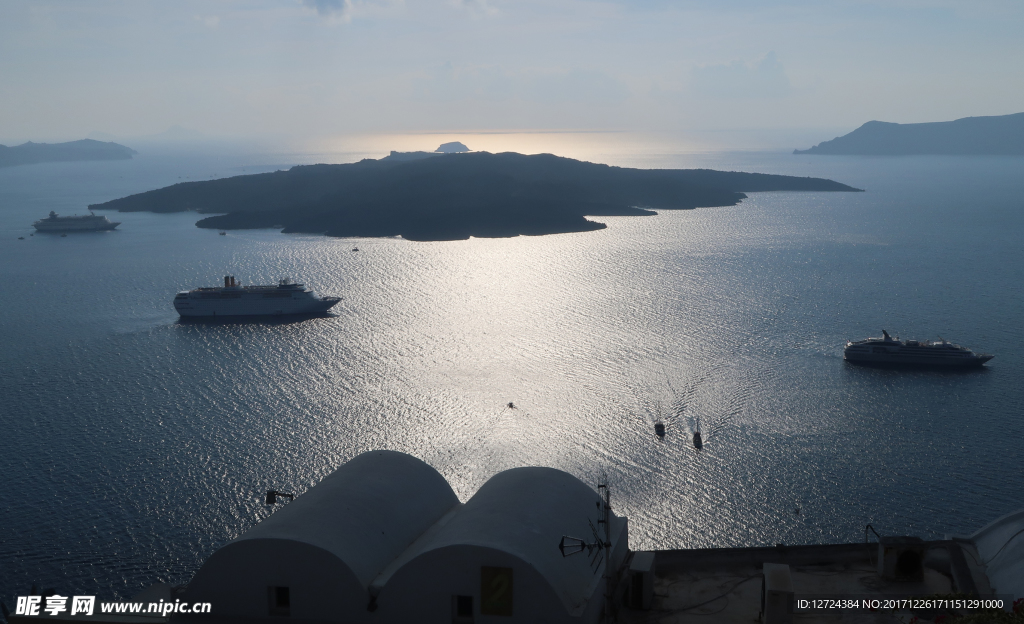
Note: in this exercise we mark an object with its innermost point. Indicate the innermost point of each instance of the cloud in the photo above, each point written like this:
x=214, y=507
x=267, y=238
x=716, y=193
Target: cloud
x=344, y=11
x=766, y=78
x=339, y=10
x=476, y=7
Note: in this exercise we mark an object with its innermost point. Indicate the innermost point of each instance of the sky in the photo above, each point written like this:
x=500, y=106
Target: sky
x=302, y=70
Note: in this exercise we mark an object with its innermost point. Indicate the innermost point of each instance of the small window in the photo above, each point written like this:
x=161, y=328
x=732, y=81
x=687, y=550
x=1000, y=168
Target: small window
x=279, y=600
x=462, y=609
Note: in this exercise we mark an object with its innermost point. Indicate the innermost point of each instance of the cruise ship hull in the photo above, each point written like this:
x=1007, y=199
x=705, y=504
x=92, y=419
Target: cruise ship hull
x=909, y=361
x=43, y=226
x=253, y=307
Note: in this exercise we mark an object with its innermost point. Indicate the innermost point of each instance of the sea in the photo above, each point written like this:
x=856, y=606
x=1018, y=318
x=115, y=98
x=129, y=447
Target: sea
x=133, y=445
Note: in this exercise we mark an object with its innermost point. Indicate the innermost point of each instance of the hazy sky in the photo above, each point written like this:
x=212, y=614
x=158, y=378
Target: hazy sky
x=313, y=68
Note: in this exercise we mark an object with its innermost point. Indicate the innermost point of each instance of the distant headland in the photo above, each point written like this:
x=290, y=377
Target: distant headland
x=1002, y=135
x=428, y=196
x=86, y=149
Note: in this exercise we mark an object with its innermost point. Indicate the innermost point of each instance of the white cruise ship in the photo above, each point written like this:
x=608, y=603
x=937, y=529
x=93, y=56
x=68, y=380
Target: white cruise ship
x=889, y=351
x=84, y=223
x=234, y=300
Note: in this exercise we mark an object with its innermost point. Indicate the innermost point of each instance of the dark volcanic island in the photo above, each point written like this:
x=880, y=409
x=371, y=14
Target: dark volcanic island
x=429, y=197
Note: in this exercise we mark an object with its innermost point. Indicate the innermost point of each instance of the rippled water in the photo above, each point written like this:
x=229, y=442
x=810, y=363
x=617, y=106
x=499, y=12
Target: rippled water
x=133, y=445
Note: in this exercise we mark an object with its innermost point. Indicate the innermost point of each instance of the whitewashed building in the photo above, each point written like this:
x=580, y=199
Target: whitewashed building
x=384, y=539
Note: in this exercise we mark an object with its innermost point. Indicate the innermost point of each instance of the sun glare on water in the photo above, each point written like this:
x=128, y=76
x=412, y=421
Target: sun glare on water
x=627, y=149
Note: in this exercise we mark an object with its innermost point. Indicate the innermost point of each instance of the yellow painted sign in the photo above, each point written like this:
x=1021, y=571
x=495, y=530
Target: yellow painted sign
x=495, y=591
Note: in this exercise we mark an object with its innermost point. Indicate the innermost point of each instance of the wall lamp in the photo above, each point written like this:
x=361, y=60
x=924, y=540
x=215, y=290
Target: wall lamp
x=273, y=494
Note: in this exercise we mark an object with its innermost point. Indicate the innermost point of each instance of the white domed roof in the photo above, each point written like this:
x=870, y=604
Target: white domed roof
x=365, y=513
x=525, y=512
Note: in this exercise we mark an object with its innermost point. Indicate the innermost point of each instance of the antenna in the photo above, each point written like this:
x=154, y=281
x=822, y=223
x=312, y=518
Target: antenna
x=607, y=544
x=596, y=549
x=570, y=546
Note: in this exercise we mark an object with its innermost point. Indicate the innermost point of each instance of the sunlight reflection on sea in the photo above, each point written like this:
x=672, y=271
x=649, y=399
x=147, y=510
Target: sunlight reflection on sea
x=138, y=444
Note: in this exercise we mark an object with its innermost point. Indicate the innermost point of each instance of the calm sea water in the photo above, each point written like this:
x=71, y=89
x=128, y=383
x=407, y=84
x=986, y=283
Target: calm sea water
x=133, y=445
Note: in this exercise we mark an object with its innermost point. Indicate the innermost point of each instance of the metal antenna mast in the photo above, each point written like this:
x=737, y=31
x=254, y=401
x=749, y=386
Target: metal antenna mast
x=599, y=550
x=608, y=548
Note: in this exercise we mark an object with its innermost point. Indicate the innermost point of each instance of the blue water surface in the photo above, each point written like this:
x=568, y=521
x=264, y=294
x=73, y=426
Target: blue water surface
x=133, y=445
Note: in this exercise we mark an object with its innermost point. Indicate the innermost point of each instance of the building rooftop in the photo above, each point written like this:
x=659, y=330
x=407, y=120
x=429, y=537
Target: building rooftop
x=384, y=539
x=725, y=585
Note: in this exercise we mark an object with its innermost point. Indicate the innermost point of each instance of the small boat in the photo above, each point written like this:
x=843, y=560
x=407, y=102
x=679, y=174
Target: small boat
x=659, y=429
x=697, y=442
x=21, y=238
x=355, y=249
x=223, y=233
x=63, y=235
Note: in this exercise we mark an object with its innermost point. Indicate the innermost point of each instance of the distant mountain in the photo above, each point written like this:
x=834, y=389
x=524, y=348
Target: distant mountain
x=86, y=149
x=424, y=196
x=1003, y=135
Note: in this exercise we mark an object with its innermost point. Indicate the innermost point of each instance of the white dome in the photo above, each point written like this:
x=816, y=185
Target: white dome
x=337, y=537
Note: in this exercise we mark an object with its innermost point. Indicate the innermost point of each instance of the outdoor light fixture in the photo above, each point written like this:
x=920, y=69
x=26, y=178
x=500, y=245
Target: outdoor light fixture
x=273, y=494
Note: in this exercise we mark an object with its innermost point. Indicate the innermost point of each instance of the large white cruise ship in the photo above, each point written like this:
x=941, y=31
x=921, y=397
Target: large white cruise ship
x=234, y=300
x=84, y=223
x=889, y=351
